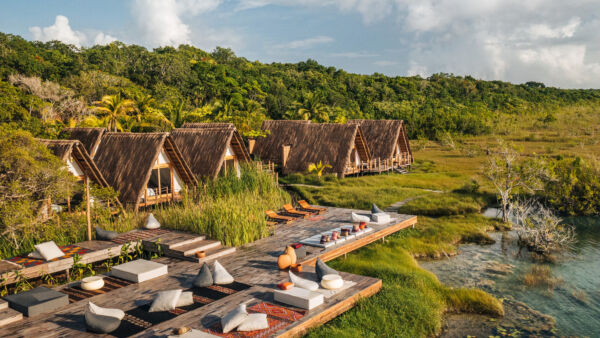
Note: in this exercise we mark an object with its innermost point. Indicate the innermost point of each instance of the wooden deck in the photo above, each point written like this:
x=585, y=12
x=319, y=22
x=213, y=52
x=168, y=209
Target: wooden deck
x=254, y=264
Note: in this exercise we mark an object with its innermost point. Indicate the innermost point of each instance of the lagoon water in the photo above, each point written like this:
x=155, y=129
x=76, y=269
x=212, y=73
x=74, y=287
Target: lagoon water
x=499, y=269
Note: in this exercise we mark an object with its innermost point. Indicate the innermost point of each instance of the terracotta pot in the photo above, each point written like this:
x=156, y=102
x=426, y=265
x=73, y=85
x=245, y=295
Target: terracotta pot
x=355, y=228
x=292, y=253
x=297, y=268
x=285, y=285
x=363, y=226
x=344, y=232
x=284, y=261
x=335, y=235
x=201, y=254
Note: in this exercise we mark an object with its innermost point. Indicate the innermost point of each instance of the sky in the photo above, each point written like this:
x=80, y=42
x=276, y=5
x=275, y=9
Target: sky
x=556, y=42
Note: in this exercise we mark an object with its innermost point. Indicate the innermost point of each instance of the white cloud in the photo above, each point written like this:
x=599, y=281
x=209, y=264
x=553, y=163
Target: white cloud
x=160, y=22
x=306, y=43
x=61, y=30
x=555, y=42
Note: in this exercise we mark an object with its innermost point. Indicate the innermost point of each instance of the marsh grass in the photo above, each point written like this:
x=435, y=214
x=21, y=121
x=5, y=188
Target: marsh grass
x=227, y=209
x=542, y=276
x=443, y=205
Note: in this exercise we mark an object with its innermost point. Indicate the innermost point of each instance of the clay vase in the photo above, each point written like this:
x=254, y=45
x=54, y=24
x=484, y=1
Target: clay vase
x=324, y=239
x=356, y=228
x=363, y=226
x=344, y=232
x=284, y=261
x=335, y=235
x=292, y=253
x=200, y=254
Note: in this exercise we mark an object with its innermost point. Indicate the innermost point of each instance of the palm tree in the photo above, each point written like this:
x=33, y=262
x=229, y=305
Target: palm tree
x=143, y=104
x=309, y=108
x=318, y=168
x=113, y=107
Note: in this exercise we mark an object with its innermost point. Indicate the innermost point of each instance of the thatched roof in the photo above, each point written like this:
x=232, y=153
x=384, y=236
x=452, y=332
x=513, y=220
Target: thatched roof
x=90, y=137
x=66, y=149
x=200, y=125
x=126, y=161
x=383, y=135
x=311, y=143
x=204, y=148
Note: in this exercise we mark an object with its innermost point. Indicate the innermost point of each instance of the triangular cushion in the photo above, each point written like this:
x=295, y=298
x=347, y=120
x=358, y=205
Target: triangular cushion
x=303, y=283
x=152, y=222
x=356, y=218
x=220, y=275
x=105, y=235
x=322, y=269
x=375, y=209
x=204, y=277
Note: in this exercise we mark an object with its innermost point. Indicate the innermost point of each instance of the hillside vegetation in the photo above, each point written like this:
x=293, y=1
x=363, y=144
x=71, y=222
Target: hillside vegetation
x=44, y=86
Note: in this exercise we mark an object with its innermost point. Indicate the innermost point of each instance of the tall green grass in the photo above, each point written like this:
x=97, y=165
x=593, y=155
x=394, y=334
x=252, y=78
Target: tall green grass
x=228, y=209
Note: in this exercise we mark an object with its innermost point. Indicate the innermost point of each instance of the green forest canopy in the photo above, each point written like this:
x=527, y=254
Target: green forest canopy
x=169, y=86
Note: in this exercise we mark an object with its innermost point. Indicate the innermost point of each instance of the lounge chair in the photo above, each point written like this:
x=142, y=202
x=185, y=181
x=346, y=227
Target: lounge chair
x=290, y=210
x=279, y=218
x=307, y=207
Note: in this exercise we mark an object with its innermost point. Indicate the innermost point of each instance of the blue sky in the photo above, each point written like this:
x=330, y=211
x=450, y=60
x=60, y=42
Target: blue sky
x=554, y=42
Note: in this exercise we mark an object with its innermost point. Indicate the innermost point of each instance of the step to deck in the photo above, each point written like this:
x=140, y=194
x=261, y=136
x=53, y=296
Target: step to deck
x=9, y=316
x=191, y=249
x=211, y=254
x=176, y=239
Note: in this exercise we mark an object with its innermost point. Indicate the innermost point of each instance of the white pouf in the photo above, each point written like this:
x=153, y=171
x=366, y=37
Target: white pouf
x=92, y=283
x=356, y=218
x=332, y=282
x=381, y=218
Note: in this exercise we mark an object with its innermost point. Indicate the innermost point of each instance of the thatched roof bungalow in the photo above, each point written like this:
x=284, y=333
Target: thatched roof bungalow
x=210, y=150
x=387, y=141
x=79, y=163
x=90, y=137
x=144, y=168
x=294, y=146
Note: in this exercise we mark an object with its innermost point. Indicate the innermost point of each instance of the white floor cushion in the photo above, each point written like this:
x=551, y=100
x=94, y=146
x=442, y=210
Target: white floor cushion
x=356, y=218
x=165, y=300
x=186, y=298
x=234, y=318
x=49, y=250
x=114, y=313
x=254, y=321
x=139, y=270
x=220, y=275
x=152, y=222
x=300, y=282
x=299, y=297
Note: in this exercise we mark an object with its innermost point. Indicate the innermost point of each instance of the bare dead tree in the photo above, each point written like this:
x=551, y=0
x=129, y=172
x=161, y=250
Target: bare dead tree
x=509, y=174
x=538, y=228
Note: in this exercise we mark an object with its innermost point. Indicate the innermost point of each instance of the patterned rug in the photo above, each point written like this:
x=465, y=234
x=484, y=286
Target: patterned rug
x=138, y=235
x=69, y=250
x=139, y=319
x=110, y=283
x=278, y=318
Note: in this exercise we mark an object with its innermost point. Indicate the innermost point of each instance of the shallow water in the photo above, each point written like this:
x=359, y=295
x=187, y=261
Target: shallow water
x=499, y=269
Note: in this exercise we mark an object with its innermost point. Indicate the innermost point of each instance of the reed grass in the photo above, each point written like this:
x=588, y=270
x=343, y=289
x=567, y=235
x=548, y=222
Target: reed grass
x=228, y=209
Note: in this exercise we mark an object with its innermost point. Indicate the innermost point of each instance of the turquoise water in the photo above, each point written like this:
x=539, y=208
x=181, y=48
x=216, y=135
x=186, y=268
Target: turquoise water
x=499, y=269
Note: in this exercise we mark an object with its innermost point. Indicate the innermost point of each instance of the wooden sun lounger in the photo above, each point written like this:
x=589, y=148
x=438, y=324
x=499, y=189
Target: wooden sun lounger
x=279, y=218
x=290, y=210
x=307, y=207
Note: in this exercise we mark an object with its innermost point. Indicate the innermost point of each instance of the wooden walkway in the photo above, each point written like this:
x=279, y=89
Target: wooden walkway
x=254, y=264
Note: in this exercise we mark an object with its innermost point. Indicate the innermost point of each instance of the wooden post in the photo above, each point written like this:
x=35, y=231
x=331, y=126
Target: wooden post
x=87, y=207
